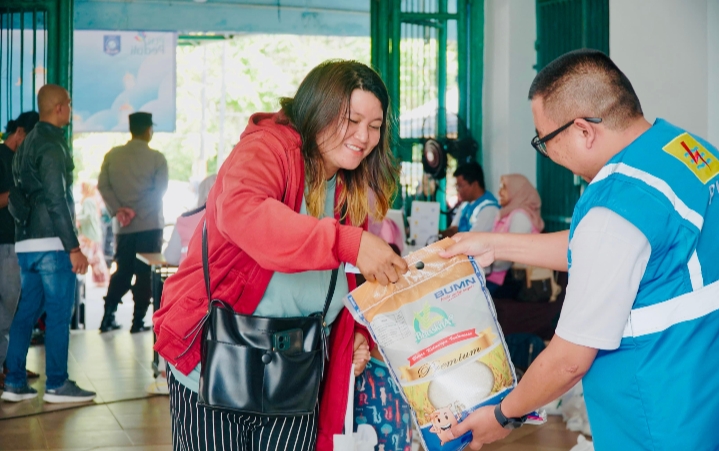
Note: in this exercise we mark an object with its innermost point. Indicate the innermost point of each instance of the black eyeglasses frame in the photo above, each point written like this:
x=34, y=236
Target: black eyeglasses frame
x=540, y=144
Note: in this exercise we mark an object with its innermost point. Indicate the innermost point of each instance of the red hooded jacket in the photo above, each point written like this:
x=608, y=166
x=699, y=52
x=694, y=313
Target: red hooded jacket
x=254, y=229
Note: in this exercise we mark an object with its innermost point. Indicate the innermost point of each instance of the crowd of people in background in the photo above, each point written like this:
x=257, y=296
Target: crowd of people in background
x=125, y=208
x=52, y=230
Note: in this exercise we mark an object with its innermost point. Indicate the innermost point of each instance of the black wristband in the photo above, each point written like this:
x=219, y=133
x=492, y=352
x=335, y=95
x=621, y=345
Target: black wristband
x=508, y=423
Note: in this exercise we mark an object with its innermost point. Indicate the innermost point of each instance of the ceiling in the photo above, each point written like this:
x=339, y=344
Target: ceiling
x=311, y=17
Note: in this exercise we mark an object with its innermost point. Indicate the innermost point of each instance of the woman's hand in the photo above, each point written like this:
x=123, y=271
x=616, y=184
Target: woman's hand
x=378, y=262
x=361, y=354
x=478, y=245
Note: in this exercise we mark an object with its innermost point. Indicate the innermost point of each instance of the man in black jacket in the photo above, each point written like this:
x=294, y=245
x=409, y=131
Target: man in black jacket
x=48, y=251
x=16, y=131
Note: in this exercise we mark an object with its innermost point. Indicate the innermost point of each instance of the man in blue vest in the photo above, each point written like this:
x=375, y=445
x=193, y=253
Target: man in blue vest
x=478, y=208
x=640, y=323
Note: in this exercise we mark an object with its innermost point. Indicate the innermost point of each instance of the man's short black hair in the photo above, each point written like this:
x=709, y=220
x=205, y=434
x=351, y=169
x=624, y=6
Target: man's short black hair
x=140, y=122
x=586, y=83
x=471, y=172
x=11, y=127
x=27, y=120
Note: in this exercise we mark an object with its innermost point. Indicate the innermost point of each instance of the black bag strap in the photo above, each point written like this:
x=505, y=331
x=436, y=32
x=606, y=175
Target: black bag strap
x=206, y=263
x=330, y=293
x=206, y=271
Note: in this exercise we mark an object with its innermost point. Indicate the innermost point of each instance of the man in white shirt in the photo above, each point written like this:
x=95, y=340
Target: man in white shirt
x=641, y=315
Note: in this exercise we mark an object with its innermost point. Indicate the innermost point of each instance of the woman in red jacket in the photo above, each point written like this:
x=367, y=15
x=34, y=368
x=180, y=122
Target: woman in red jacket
x=275, y=233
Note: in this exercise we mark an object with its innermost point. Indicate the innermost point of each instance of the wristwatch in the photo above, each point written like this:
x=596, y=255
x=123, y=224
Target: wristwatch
x=508, y=423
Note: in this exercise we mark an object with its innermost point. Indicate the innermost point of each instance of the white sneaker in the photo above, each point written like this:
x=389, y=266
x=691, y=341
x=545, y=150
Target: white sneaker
x=18, y=394
x=68, y=392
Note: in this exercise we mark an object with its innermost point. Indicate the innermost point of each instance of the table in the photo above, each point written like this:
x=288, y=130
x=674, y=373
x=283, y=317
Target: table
x=161, y=270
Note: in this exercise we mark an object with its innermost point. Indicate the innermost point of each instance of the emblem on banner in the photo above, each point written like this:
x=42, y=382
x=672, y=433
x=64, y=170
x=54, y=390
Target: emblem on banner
x=111, y=44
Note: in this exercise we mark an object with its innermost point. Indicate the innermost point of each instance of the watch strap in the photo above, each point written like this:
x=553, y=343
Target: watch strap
x=504, y=421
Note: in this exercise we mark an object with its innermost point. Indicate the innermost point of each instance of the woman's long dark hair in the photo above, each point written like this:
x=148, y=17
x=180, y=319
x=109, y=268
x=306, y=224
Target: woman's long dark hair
x=322, y=100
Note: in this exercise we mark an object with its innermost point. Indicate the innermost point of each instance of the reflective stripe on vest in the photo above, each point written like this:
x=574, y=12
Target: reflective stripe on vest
x=660, y=317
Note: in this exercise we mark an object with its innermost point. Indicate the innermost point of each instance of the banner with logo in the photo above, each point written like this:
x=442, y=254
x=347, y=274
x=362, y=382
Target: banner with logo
x=117, y=73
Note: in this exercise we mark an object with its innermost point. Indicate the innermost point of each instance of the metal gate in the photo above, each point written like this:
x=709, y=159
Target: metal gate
x=562, y=26
x=35, y=48
x=430, y=55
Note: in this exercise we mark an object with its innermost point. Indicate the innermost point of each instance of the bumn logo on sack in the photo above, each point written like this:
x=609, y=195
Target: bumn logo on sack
x=430, y=321
x=112, y=44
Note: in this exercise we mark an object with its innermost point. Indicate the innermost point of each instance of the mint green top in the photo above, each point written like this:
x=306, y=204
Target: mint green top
x=288, y=295
x=89, y=220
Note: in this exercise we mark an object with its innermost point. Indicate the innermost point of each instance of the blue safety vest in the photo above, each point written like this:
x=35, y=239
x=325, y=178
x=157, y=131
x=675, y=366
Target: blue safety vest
x=472, y=209
x=660, y=389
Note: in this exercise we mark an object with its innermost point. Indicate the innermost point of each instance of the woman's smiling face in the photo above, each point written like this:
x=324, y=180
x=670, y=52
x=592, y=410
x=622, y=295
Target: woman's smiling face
x=345, y=147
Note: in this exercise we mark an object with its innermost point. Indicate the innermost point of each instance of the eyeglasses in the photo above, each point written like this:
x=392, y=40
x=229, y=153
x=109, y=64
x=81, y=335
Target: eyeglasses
x=540, y=144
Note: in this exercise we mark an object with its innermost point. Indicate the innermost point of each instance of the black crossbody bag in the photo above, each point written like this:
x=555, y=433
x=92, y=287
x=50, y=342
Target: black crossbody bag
x=258, y=365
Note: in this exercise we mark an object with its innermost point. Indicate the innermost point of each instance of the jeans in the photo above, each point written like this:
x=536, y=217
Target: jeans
x=9, y=293
x=48, y=285
x=128, y=245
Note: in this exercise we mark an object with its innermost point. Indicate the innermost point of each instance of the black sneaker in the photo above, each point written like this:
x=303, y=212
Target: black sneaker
x=140, y=328
x=13, y=394
x=68, y=392
x=109, y=326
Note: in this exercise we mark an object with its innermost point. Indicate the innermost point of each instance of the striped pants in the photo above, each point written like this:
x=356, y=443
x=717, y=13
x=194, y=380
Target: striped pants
x=196, y=428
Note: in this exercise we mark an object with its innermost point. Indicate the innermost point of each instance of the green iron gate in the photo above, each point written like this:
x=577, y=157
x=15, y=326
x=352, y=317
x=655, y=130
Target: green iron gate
x=35, y=48
x=430, y=55
x=562, y=26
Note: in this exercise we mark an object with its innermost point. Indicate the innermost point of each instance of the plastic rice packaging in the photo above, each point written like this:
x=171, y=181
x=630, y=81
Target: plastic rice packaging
x=437, y=330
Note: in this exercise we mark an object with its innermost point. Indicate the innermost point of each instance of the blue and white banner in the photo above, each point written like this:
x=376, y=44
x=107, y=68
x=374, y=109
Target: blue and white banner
x=117, y=73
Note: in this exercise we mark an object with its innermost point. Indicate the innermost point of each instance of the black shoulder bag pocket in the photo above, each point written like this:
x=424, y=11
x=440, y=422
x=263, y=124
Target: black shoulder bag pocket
x=258, y=365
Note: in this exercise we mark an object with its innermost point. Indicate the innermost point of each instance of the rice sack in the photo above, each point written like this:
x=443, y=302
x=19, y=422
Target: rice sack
x=438, y=333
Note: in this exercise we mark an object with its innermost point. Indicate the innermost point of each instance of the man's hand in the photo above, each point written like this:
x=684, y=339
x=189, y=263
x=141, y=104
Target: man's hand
x=478, y=245
x=79, y=261
x=4, y=199
x=361, y=354
x=125, y=215
x=122, y=218
x=548, y=250
x=378, y=262
x=484, y=426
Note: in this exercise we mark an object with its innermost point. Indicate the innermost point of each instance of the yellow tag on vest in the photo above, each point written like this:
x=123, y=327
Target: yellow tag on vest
x=696, y=157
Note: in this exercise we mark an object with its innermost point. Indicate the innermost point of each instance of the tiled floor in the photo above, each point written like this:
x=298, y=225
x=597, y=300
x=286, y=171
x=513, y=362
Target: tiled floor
x=123, y=418
x=116, y=365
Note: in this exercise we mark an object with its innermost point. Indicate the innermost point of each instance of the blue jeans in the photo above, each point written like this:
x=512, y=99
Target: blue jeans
x=48, y=285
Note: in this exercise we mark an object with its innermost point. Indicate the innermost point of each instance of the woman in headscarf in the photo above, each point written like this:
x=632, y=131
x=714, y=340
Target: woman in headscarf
x=520, y=213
